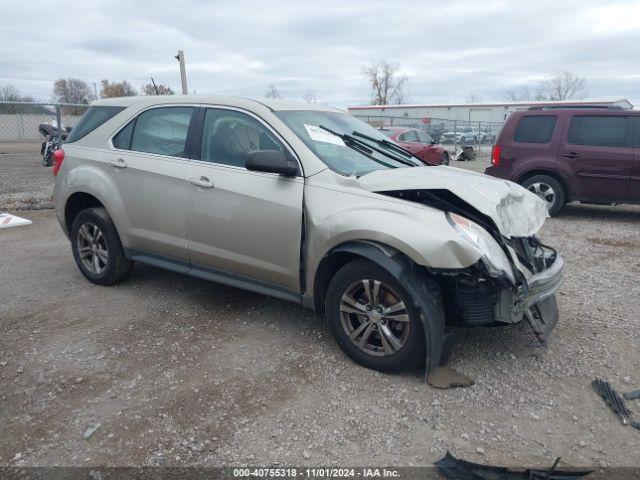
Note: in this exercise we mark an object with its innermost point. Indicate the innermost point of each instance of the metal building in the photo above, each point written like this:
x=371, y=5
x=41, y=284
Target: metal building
x=469, y=113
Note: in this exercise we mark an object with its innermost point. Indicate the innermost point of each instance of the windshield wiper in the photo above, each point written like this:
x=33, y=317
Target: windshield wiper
x=387, y=144
x=351, y=141
x=358, y=146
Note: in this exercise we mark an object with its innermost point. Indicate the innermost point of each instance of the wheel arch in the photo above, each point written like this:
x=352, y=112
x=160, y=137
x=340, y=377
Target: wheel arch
x=414, y=278
x=77, y=202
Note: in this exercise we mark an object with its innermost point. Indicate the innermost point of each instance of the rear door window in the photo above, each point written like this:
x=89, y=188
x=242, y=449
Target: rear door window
x=162, y=131
x=424, y=137
x=598, y=130
x=92, y=119
x=408, y=136
x=535, y=129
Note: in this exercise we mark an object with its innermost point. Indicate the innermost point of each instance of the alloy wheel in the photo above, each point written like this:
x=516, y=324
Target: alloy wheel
x=92, y=248
x=544, y=191
x=374, y=317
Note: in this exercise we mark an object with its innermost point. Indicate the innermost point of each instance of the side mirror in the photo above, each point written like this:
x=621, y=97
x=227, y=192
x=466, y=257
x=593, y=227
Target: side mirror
x=271, y=161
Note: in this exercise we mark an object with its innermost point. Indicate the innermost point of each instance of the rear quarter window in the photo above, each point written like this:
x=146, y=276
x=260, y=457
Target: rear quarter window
x=92, y=119
x=535, y=129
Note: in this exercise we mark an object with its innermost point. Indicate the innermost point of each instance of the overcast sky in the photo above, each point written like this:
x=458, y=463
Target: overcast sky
x=446, y=48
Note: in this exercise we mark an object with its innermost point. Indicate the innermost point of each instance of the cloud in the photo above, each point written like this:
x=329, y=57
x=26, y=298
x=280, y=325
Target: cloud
x=240, y=47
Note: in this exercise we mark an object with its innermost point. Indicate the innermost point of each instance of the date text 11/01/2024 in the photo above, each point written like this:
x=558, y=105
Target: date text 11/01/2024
x=316, y=472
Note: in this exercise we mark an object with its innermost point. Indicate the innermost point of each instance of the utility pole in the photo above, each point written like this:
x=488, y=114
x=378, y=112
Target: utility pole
x=183, y=72
x=95, y=91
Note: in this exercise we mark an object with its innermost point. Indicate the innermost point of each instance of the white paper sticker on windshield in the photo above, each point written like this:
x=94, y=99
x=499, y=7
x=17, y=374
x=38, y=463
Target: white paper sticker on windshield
x=317, y=134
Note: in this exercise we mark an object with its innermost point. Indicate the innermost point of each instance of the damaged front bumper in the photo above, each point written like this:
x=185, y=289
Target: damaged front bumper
x=475, y=298
x=534, y=300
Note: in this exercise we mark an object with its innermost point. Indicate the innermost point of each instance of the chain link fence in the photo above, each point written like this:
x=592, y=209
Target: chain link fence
x=20, y=122
x=452, y=134
x=20, y=131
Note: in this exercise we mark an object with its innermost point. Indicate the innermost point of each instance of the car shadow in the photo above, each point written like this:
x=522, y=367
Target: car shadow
x=472, y=345
x=618, y=213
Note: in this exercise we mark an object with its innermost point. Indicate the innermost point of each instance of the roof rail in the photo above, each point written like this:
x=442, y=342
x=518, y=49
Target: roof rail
x=559, y=107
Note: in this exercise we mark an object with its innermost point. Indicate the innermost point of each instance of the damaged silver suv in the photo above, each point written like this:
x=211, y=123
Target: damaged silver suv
x=308, y=204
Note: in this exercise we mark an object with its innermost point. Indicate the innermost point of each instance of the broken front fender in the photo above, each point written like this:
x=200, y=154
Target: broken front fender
x=515, y=211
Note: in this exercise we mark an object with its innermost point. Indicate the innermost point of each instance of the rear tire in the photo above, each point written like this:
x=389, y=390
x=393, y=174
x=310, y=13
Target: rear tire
x=548, y=189
x=97, y=249
x=392, y=344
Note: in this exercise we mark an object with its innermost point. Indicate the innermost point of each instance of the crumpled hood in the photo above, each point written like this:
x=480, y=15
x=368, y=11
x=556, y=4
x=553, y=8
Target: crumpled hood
x=515, y=211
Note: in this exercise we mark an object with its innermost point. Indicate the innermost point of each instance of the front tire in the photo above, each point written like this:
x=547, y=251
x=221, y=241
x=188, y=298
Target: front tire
x=444, y=158
x=97, y=249
x=373, y=318
x=548, y=189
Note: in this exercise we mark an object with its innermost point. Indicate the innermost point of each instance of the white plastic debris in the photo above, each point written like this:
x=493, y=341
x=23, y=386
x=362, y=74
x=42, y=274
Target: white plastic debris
x=91, y=429
x=7, y=220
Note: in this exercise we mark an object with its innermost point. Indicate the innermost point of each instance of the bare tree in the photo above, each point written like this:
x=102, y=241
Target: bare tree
x=521, y=94
x=72, y=90
x=272, y=92
x=157, y=89
x=9, y=93
x=563, y=86
x=386, y=85
x=473, y=97
x=309, y=96
x=116, y=89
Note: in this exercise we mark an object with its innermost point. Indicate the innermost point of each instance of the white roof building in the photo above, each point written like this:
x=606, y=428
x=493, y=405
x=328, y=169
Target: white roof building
x=475, y=112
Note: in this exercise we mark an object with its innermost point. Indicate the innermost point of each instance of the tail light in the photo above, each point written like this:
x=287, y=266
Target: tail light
x=58, y=158
x=496, y=152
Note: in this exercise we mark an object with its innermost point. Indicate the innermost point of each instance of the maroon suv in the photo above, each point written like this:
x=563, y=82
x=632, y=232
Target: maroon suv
x=591, y=155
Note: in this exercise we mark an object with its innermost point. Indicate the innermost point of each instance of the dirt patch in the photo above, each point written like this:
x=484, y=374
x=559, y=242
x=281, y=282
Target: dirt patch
x=611, y=242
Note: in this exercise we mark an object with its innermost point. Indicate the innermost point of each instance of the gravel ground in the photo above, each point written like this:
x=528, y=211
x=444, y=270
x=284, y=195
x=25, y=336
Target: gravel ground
x=24, y=181
x=178, y=371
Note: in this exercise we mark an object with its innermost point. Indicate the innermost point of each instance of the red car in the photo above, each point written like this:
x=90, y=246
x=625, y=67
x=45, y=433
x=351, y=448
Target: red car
x=418, y=142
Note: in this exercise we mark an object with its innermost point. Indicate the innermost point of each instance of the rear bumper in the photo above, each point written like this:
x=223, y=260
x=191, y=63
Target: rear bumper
x=495, y=172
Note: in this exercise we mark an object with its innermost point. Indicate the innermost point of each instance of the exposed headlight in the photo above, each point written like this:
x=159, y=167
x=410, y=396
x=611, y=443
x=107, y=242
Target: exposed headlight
x=493, y=256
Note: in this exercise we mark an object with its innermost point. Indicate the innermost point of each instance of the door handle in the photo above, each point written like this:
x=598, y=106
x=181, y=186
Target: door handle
x=120, y=163
x=202, y=182
x=571, y=155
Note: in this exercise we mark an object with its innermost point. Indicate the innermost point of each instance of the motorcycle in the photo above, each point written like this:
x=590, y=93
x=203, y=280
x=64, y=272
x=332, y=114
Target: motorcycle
x=51, y=143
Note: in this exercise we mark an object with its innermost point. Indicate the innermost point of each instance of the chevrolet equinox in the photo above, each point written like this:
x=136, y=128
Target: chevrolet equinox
x=307, y=204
